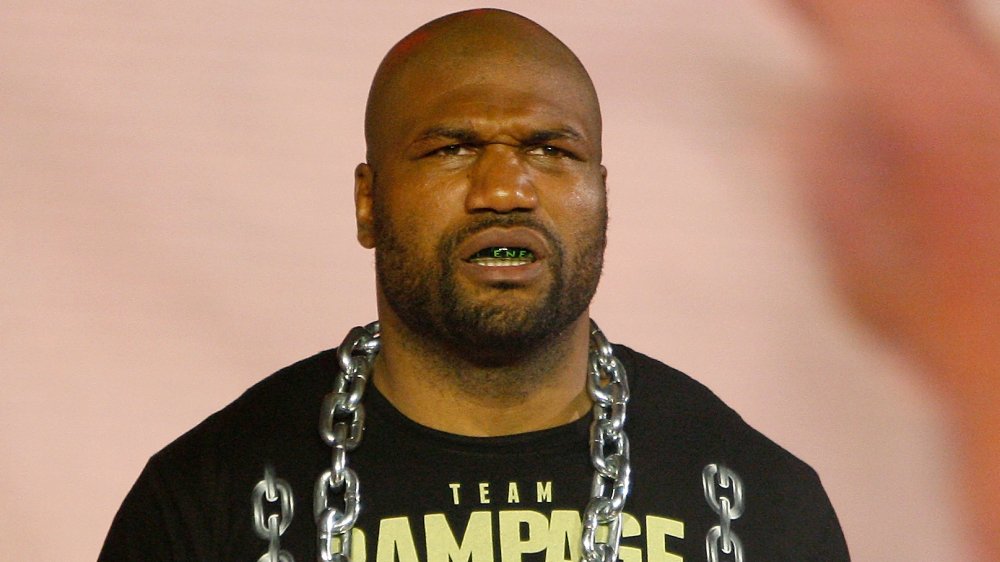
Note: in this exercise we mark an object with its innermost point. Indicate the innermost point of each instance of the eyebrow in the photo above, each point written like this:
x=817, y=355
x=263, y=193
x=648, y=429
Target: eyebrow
x=468, y=136
x=464, y=136
x=546, y=135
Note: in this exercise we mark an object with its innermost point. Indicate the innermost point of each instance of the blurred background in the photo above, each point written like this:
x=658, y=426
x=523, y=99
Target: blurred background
x=176, y=222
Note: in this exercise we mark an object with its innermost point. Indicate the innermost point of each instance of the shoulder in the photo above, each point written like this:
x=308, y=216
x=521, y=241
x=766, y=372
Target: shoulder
x=273, y=411
x=191, y=500
x=681, y=432
x=671, y=392
x=668, y=401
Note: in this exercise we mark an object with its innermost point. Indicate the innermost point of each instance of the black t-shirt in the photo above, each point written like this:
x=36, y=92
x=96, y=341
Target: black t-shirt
x=429, y=496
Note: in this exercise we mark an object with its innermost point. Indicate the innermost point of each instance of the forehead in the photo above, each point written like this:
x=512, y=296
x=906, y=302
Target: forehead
x=527, y=94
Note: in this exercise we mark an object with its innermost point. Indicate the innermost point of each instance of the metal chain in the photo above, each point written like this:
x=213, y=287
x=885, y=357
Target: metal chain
x=608, y=387
x=273, y=490
x=722, y=537
x=342, y=424
x=336, y=500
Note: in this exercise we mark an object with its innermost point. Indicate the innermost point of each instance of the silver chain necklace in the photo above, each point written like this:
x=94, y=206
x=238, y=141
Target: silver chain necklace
x=336, y=500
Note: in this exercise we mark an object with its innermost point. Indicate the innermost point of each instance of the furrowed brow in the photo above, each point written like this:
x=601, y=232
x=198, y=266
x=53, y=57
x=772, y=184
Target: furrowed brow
x=547, y=135
x=457, y=134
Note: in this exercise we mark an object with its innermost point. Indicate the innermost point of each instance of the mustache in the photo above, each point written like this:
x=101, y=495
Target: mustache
x=507, y=220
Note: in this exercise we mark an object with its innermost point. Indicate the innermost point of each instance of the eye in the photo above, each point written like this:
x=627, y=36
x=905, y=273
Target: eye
x=550, y=151
x=451, y=150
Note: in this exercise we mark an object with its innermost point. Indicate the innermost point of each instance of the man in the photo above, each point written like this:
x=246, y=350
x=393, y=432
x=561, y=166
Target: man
x=499, y=424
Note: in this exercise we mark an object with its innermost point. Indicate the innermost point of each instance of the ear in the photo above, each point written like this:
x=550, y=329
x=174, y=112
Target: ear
x=604, y=173
x=363, y=177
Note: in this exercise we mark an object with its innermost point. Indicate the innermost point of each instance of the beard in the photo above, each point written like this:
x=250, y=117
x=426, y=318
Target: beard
x=425, y=294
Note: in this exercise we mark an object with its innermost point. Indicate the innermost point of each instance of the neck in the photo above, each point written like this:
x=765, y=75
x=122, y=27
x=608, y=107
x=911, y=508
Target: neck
x=441, y=389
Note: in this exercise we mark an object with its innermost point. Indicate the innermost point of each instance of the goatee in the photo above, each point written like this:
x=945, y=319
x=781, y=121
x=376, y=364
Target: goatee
x=488, y=332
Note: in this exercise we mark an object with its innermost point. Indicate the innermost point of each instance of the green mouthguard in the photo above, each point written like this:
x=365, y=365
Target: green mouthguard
x=504, y=252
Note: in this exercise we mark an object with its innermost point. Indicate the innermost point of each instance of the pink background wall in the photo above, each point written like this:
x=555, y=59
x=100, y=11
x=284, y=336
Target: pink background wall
x=176, y=223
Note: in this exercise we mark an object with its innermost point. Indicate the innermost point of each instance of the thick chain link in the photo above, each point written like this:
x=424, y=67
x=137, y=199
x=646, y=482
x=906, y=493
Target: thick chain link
x=721, y=537
x=336, y=501
x=271, y=527
x=608, y=387
x=342, y=424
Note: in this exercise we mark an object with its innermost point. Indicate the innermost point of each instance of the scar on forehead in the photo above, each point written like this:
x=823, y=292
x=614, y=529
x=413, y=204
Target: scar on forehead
x=409, y=43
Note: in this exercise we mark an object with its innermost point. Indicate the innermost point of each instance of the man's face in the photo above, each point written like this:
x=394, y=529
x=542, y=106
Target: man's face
x=487, y=208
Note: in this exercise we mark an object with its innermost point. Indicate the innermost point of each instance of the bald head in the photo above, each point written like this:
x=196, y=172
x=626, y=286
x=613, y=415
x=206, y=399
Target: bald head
x=467, y=48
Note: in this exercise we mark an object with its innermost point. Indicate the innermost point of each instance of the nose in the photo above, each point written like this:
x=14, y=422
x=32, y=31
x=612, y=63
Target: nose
x=500, y=181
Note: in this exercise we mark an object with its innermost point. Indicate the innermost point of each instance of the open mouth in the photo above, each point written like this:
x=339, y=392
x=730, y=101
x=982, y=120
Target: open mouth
x=502, y=256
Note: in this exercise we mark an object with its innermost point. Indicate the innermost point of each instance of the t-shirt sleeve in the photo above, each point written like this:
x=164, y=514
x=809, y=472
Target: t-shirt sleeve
x=822, y=539
x=149, y=525
x=829, y=538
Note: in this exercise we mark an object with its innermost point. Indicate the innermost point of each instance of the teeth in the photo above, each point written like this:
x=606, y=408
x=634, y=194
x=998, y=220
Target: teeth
x=493, y=262
x=503, y=256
